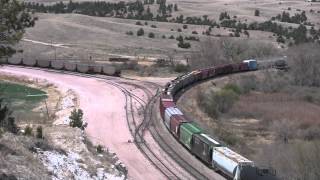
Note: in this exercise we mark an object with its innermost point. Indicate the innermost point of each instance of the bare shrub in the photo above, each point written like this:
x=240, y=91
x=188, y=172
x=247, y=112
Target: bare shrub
x=180, y=68
x=247, y=83
x=305, y=64
x=296, y=161
x=283, y=129
x=214, y=52
x=209, y=54
x=215, y=103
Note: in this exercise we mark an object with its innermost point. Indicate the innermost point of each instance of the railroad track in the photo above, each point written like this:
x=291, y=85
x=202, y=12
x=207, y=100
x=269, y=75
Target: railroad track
x=158, y=137
x=137, y=130
x=131, y=121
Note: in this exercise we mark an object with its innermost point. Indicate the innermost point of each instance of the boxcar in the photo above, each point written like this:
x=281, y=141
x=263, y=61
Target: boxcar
x=164, y=105
x=204, y=74
x=175, y=122
x=202, y=146
x=168, y=113
x=212, y=72
x=187, y=130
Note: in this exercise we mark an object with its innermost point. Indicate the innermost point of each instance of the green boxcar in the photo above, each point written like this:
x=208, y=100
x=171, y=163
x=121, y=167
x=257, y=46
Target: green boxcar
x=186, y=132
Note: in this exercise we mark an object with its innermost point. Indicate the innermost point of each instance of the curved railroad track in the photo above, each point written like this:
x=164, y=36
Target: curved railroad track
x=134, y=128
x=149, y=122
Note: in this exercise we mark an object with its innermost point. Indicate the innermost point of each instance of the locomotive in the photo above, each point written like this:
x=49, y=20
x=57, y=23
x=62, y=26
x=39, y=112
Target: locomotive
x=209, y=150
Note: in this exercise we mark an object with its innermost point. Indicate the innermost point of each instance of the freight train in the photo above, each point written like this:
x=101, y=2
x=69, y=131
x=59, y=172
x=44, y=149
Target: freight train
x=82, y=67
x=208, y=149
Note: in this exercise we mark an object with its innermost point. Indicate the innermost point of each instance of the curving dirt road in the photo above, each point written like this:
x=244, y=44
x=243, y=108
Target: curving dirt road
x=107, y=125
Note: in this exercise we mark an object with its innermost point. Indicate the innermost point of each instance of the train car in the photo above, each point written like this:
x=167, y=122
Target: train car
x=233, y=164
x=59, y=64
x=202, y=146
x=109, y=70
x=44, y=63
x=165, y=97
x=197, y=74
x=187, y=130
x=164, y=104
x=243, y=67
x=70, y=66
x=15, y=61
x=168, y=113
x=252, y=64
x=175, y=123
x=205, y=73
x=97, y=69
x=212, y=72
x=83, y=68
x=29, y=62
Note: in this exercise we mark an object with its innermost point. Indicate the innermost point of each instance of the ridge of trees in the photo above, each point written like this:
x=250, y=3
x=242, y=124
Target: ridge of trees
x=137, y=10
x=129, y=10
x=297, y=18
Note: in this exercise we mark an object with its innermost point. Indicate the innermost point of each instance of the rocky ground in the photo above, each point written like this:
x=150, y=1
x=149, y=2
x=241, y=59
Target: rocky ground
x=63, y=153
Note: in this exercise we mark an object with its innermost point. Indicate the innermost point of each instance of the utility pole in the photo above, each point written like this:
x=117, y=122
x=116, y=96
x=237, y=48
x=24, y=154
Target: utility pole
x=55, y=50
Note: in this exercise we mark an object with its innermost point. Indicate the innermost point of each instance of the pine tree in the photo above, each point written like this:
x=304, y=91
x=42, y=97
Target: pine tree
x=256, y=12
x=175, y=7
x=76, y=118
x=140, y=32
x=14, y=20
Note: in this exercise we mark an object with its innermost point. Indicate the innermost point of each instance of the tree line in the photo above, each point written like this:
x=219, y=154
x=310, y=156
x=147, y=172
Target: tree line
x=137, y=10
x=129, y=10
x=297, y=18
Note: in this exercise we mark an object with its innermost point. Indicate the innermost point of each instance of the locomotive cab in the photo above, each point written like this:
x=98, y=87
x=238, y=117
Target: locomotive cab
x=249, y=172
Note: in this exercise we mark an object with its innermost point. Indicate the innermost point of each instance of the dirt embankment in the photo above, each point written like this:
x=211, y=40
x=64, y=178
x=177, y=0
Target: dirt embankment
x=104, y=111
x=64, y=152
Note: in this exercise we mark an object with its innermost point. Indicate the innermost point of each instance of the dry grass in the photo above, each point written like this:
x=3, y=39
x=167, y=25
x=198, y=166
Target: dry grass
x=268, y=128
x=276, y=106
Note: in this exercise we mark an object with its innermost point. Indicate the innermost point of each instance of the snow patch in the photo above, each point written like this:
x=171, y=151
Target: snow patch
x=66, y=166
x=67, y=102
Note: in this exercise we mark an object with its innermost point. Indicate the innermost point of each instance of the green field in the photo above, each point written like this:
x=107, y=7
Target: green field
x=22, y=101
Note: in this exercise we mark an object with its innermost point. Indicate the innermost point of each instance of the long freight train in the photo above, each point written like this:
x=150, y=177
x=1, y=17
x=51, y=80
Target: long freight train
x=202, y=145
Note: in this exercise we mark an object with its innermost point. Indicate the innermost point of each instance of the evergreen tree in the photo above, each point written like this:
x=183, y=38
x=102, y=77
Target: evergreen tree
x=175, y=7
x=14, y=20
x=140, y=32
x=7, y=122
x=151, y=35
x=39, y=132
x=76, y=119
x=256, y=12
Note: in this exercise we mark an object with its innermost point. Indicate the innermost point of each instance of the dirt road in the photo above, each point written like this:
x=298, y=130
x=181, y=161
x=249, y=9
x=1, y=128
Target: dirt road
x=107, y=125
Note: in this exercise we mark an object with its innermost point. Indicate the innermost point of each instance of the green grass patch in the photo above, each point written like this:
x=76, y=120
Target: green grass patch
x=21, y=99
